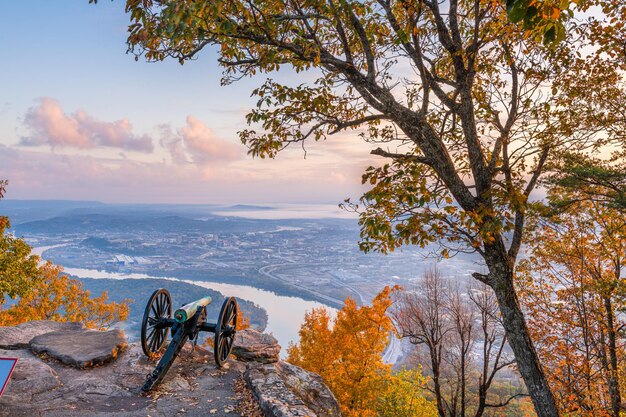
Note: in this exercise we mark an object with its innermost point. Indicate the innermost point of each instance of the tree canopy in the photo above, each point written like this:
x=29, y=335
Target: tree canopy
x=572, y=284
x=347, y=354
x=18, y=267
x=579, y=178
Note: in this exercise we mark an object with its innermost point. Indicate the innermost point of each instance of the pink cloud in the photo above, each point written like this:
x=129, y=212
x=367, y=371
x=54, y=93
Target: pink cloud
x=197, y=143
x=50, y=125
x=44, y=175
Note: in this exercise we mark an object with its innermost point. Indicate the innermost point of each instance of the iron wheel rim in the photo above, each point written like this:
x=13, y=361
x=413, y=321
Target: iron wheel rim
x=153, y=333
x=225, y=331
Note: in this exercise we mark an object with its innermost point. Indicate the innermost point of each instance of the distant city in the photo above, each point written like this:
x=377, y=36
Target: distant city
x=315, y=258
x=306, y=252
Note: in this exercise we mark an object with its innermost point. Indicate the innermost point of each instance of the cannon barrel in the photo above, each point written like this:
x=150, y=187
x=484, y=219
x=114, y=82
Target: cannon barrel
x=189, y=310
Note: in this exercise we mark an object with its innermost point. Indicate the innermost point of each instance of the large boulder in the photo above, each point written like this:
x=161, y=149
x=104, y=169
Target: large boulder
x=253, y=346
x=18, y=337
x=285, y=390
x=81, y=348
x=310, y=387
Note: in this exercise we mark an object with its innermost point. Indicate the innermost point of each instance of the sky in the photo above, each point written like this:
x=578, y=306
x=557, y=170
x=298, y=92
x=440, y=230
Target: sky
x=82, y=120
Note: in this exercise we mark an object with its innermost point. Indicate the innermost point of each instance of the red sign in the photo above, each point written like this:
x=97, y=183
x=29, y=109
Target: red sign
x=7, y=365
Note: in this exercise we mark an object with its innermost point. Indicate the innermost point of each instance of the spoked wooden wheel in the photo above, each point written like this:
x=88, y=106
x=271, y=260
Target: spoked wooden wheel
x=154, y=328
x=225, y=331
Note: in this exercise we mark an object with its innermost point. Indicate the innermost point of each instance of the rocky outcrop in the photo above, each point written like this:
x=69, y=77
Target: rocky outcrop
x=18, y=337
x=60, y=383
x=80, y=348
x=286, y=390
x=253, y=346
x=282, y=389
x=24, y=385
x=192, y=387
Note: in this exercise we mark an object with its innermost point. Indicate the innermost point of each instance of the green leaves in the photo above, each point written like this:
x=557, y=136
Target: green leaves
x=577, y=178
x=18, y=268
x=545, y=18
x=517, y=9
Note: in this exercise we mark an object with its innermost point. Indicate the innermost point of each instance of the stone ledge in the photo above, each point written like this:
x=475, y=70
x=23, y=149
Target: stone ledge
x=285, y=390
x=44, y=386
x=19, y=337
x=81, y=348
x=30, y=377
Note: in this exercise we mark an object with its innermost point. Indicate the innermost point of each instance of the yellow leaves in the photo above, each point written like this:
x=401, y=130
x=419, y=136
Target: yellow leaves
x=402, y=394
x=348, y=356
x=243, y=322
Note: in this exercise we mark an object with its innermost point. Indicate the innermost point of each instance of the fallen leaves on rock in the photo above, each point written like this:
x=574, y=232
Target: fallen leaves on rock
x=247, y=405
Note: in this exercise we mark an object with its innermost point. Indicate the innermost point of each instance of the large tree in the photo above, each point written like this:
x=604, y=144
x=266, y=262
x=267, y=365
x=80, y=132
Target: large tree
x=461, y=98
x=573, y=285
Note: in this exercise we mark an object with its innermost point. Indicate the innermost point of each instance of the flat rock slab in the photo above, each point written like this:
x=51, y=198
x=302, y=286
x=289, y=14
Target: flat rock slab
x=81, y=348
x=19, y=337
x=253, y=346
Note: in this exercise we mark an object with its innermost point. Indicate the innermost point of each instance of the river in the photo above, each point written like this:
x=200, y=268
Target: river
x=285, y=314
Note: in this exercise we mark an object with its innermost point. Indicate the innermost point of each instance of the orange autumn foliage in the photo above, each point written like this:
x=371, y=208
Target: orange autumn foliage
x=243, y=322
x=57, y=297
x=43, y=293
x=348, y=356
x=573, y=289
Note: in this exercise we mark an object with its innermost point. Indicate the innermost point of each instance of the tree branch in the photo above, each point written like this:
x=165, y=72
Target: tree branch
x=400, y=156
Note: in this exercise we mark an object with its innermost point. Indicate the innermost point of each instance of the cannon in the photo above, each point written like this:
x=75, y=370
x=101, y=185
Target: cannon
x=184, y=325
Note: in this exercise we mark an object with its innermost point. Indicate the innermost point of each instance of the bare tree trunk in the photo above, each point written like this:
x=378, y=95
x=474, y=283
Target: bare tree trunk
x=437, y=383
x=501, y=280
x=616, y=400
x=463, y=383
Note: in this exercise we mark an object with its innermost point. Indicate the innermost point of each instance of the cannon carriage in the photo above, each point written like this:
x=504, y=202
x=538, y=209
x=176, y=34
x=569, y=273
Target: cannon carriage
x=184, y=325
